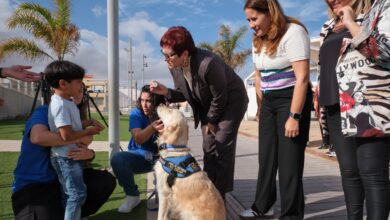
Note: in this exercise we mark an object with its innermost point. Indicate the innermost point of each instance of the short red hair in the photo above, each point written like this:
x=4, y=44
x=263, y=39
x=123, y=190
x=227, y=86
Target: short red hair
x=179, y=39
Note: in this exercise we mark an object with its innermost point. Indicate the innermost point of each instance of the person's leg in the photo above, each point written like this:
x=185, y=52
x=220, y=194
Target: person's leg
x=346, y=156
x=73, y=187
x=373, y=161
x=124, y=165
x=40, y=201
x=265, y=195
x=209, y=154
x=100, y=184
x=225, y=141
x=291, y=157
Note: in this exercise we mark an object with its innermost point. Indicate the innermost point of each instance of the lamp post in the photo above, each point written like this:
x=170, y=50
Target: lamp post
x=130, y=75
x=144, y=64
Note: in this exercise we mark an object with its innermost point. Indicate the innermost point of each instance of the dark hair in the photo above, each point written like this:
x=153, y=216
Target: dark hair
x=179, y=39
x=62, y=69
x=156, y=99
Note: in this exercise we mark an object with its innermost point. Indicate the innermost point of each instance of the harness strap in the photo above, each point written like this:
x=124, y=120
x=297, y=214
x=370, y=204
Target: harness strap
x=175, y=169
x=179, y=170
x=165, y=146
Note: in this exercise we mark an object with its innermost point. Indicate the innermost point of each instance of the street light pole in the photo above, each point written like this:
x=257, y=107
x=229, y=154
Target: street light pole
x=130, y=74
x=144, y=64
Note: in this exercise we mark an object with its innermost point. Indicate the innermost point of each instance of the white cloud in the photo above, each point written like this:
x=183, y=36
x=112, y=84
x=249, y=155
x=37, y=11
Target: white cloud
x=99, y=11
x=139, y=26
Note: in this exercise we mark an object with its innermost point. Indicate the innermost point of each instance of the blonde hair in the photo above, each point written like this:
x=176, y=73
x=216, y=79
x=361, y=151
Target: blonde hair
x=278, y=27
x=358, y=6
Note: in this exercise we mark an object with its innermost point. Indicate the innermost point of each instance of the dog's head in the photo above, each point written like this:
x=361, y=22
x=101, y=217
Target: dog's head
x=175, y=126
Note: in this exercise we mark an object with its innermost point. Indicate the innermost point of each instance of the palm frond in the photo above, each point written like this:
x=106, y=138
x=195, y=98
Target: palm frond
x=31, y=24
x=206, y=46
x=62, y=13
x=23, y=47
x=37, y=10
x=226, y=46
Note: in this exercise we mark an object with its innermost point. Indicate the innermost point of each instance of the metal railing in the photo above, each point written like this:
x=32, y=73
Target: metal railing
x=26, y=88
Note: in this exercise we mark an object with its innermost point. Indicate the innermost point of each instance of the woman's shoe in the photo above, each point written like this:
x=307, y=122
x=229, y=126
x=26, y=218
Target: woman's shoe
x=248, y=214
x=252, y=214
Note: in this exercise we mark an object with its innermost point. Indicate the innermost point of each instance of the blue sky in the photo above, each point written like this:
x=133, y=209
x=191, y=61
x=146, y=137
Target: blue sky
x=145, y=21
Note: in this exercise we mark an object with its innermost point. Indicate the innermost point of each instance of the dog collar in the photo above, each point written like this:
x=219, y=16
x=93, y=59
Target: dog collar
x=165, y=146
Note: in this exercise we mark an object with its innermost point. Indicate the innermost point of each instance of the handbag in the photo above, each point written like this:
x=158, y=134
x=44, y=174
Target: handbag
x=364, y=94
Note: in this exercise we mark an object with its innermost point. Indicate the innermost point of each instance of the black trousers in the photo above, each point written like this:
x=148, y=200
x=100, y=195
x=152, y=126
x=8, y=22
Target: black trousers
x=42, y=201
x=220, y=150
x=278, y=152
x=364, y=167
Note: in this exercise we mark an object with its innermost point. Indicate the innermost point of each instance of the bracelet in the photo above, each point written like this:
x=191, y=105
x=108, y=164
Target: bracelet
x=93, y=157
x=1, y=74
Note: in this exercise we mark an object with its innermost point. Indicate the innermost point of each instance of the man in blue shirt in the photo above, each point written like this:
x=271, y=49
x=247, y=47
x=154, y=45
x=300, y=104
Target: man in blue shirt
x=142, y=149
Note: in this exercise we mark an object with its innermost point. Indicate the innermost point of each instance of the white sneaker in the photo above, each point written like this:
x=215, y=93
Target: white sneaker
x=129, y=203
x=251, y=214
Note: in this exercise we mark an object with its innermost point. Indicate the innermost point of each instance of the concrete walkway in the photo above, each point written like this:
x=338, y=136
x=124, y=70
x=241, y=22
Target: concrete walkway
x=323, y=193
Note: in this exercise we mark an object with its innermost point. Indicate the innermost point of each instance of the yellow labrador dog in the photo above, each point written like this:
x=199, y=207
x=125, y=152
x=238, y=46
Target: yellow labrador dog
x=185, y=192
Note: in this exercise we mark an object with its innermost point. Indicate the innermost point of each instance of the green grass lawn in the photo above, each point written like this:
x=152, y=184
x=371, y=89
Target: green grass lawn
x=13, y=129
x=108, y=211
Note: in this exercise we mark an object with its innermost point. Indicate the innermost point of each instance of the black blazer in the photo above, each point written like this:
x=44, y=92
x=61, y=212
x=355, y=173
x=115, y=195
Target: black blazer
x=214, y=86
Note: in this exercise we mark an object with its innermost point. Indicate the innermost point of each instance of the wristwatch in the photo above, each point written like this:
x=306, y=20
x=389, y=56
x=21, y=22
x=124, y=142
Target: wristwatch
x=295, y=115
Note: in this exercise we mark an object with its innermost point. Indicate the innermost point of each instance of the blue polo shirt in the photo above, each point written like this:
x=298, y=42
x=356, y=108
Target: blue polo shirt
x=139, y=120
x=34, y=160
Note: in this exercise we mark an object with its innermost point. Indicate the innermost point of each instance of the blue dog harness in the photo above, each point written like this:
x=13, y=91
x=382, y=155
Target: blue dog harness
x=178, y=167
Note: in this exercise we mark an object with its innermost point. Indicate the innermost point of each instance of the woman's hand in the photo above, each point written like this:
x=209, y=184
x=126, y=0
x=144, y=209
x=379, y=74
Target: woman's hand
x=316, y=108
x=211, y=129
x=158, y=88
x=291, y=128
x=158, y=125
x=258, y=114
x=79, y=153
x=346, y=15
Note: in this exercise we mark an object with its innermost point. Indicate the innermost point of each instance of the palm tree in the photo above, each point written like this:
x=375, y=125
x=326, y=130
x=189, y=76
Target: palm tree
x=53, y=29
x=226, y=46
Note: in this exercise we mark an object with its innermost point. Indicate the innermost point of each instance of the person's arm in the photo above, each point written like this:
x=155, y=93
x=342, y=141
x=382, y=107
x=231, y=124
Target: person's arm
x=215, y=77
x=259, y=94
x=41, y=135
x=68, y=134
x=92, y=122
x=297, y=48
x=20, y=73
x=142, y=135
x=371, y=39
x=301, y=70
x=172, y=95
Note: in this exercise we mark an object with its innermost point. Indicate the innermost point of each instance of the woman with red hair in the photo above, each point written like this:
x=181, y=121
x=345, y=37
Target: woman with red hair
x=216, y=94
